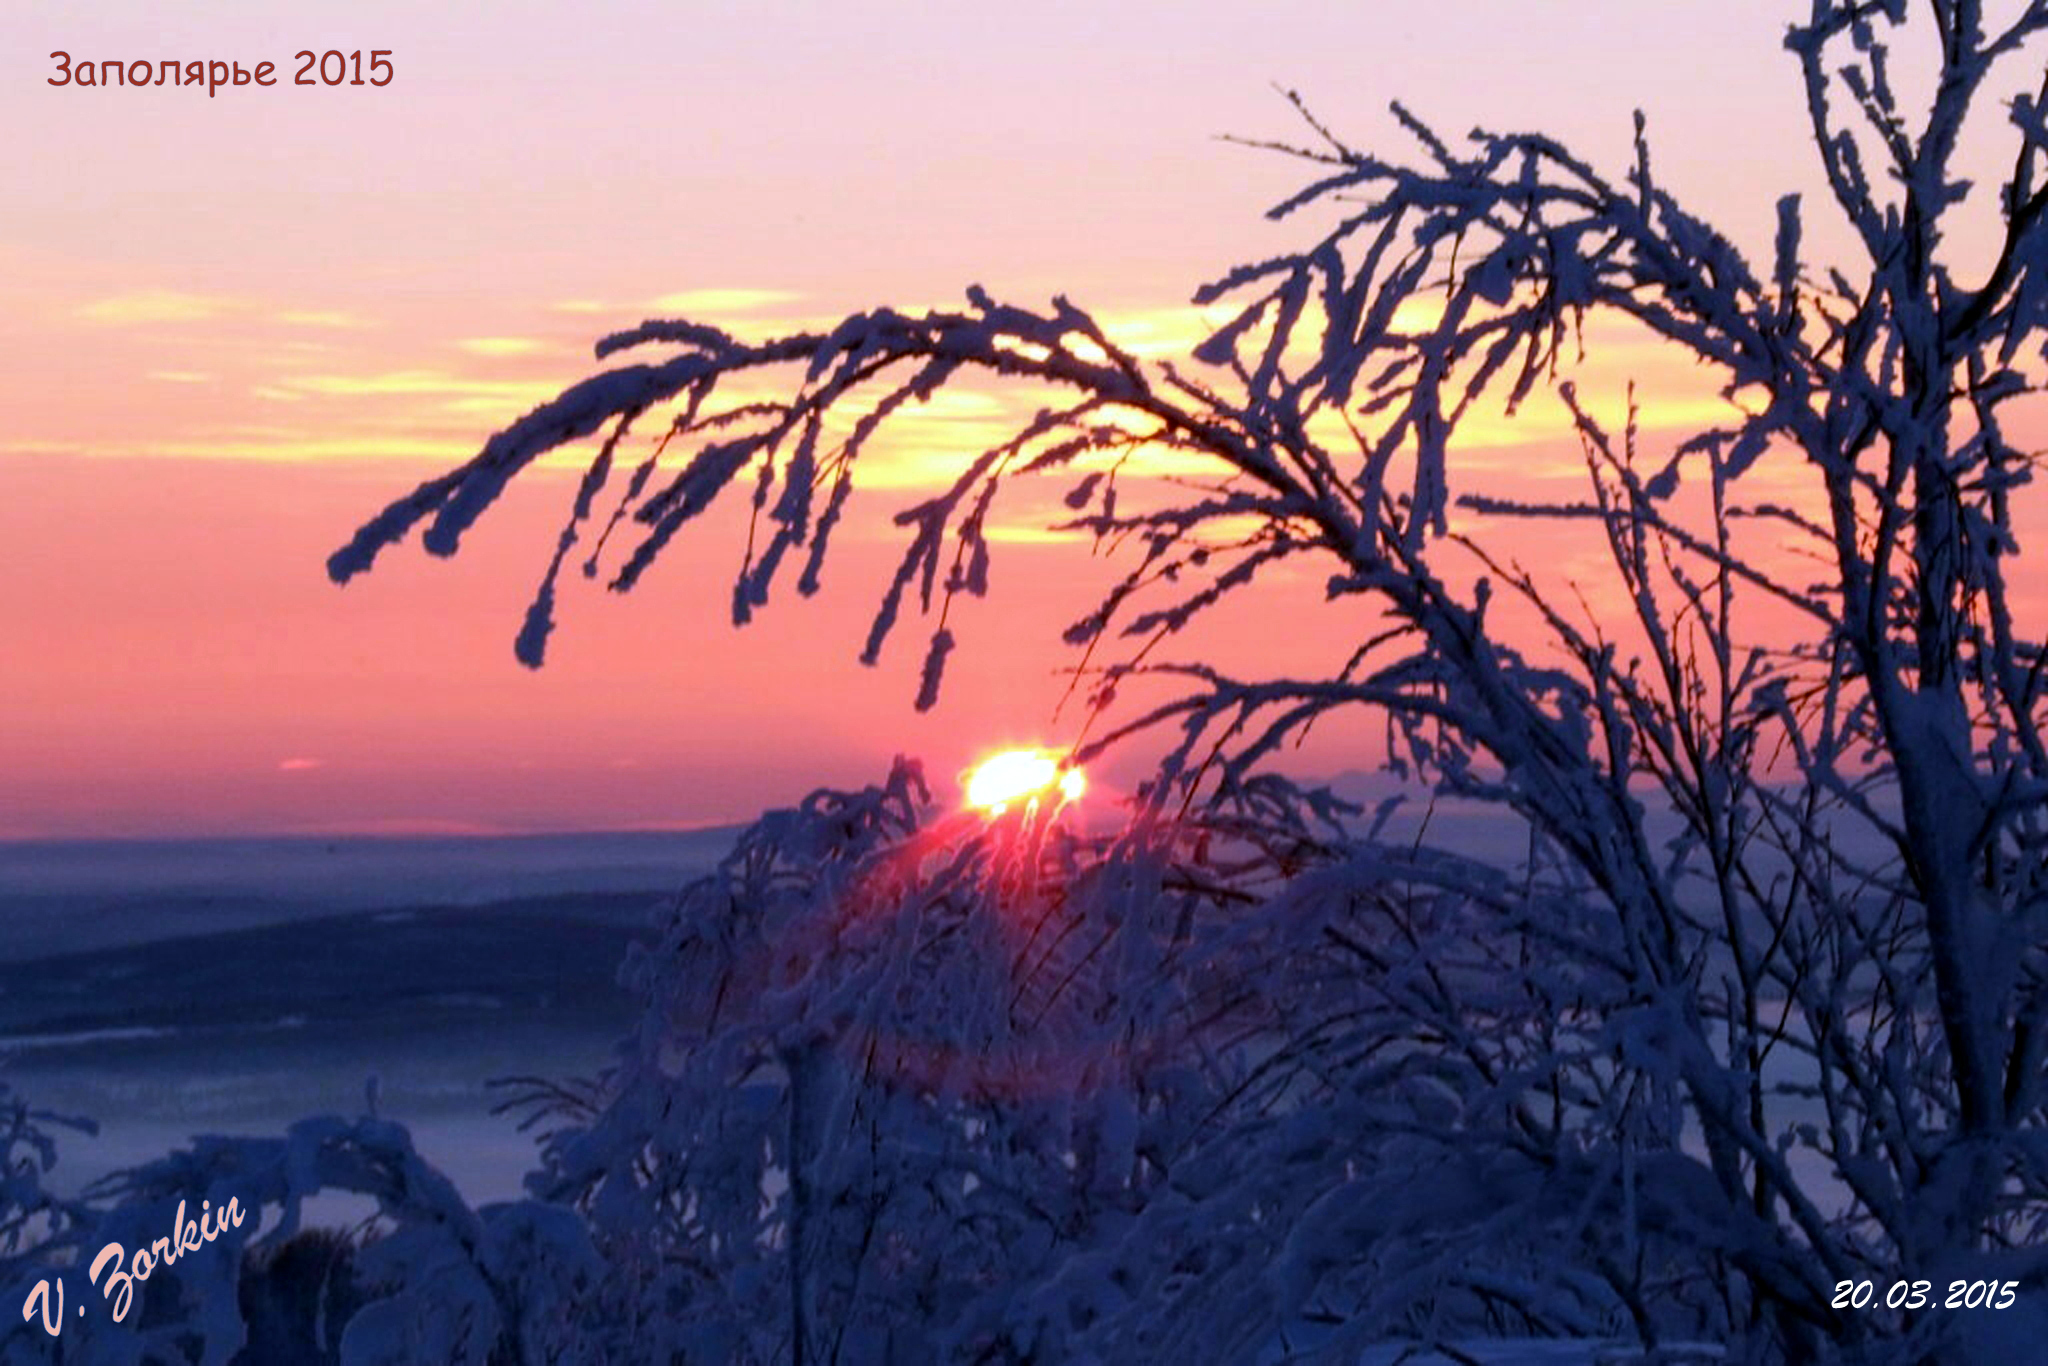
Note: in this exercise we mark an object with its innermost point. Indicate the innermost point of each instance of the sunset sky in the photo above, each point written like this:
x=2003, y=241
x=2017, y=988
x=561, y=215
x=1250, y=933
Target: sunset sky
x=235, y=327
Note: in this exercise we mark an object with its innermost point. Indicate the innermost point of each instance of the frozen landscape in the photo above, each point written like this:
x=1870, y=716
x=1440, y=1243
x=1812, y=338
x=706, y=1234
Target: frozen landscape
x=231, y=986
x=1672, y=989
x=169, y=989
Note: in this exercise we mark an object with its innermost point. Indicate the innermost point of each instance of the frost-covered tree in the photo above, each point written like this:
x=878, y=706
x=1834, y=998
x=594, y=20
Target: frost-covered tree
x=435, y=1282
x=1762, y=1012
x=897, y=1075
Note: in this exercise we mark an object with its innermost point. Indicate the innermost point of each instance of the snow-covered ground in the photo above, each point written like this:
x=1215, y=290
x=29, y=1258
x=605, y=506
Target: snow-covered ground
x=170, y=988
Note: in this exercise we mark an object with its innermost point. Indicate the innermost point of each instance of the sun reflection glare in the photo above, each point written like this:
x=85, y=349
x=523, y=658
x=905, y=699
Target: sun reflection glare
x=1021, y=775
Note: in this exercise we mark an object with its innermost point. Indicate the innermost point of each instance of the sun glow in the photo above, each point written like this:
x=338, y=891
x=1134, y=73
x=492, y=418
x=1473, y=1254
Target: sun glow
x=1022, y=775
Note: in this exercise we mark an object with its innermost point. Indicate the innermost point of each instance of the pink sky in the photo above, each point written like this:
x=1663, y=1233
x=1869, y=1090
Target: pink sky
x=235, y=327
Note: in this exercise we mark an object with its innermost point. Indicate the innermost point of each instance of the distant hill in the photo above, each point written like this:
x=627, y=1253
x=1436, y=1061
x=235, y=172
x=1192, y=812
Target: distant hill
x=73, y=896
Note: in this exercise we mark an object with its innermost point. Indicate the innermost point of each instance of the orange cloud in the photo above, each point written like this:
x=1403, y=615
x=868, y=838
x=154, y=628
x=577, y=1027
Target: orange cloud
x=324, y=318
x=495, y=347
x=704, y=303
x=155, y=306
x=422, y=383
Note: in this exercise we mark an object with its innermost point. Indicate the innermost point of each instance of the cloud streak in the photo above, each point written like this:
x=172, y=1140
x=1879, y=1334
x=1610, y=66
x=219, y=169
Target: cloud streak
x=145, y=306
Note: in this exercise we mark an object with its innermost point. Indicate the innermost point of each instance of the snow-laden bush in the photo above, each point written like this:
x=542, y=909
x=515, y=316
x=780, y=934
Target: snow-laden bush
x=438, y=1283
x=893, y=1070
x=919, y=1086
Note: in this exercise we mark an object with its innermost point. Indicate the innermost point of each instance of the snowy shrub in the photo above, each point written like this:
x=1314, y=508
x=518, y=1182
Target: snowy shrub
x=918, y=1085
x=893, y=1068
x=35, y=1225
x=296, y=1296
x=437, y=1283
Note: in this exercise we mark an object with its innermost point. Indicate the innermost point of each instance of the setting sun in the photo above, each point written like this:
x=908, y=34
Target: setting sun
x=1021, y=775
